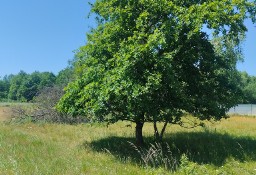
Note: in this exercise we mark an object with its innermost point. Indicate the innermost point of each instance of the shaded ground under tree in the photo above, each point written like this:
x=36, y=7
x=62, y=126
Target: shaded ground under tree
x=200, y=147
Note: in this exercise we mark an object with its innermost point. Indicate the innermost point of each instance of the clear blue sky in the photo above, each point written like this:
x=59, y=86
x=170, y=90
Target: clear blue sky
x=41, y=35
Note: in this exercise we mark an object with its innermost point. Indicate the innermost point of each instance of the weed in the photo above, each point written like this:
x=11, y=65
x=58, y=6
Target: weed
x=156, y=156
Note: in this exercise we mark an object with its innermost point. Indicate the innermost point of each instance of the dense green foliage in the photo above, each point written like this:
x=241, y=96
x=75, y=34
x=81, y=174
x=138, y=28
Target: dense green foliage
x=248, y=85
x=151, y=61
x=24, y=87
x=64, y=76
x=4, y=87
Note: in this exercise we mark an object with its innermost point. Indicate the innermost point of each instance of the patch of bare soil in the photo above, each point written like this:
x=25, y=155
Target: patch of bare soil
x=5, y=113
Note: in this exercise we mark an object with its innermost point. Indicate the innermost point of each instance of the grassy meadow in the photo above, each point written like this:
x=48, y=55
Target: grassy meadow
x=226, y=147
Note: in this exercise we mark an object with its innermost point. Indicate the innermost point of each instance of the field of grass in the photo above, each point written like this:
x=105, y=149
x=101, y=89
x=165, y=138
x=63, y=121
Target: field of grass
x=226, y=147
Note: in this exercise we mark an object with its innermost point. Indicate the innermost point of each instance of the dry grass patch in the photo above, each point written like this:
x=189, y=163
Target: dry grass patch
x=5, y=113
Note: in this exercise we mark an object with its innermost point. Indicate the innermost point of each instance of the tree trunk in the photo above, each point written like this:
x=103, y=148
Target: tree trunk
x=159, y=137
x=156, y=133
x=138, y=132
x=163, y=130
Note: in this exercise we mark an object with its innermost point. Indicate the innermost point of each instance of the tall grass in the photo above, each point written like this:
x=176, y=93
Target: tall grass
x=224, y=148
x=157, y=156
x=58, y=149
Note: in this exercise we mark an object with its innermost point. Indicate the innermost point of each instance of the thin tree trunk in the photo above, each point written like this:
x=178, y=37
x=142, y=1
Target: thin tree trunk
x=159, y=137
x=138, y=133
x=163, y=130
x=156, y=133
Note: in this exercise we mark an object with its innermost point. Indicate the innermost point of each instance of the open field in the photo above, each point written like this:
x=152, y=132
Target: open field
x=226, y=147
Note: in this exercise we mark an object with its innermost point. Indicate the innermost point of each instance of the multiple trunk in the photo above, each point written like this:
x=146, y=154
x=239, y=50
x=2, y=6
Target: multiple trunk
x=159, y=137
x=139, y=136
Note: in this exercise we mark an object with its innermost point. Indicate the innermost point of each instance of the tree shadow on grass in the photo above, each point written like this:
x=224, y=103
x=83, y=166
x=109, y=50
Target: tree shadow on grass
x=120, y=147
x=213, y=148
x=200, y=147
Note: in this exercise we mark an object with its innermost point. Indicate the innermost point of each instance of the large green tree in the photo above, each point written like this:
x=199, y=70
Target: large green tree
x=152, y=61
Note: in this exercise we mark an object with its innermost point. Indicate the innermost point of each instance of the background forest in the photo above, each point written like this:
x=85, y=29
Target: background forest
x=23, y=87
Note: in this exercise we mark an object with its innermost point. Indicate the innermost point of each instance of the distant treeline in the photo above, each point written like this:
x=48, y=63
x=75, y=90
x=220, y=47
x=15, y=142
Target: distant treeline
x=23, y=87
x=248, y=86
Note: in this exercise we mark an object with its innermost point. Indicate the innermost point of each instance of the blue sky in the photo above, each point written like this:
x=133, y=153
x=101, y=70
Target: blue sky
x=41, y=35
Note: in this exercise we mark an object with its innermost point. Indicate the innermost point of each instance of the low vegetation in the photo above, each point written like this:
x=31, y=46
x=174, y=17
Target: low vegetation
x=226, y=147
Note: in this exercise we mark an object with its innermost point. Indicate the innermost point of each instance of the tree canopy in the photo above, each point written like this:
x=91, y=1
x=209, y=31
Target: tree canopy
x=153, y=61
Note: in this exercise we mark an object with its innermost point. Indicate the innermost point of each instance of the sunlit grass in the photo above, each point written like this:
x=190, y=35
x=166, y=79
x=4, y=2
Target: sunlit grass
x=58, y=149
x=226, y=147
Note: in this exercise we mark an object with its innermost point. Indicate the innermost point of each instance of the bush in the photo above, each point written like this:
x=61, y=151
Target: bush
x=43, y=108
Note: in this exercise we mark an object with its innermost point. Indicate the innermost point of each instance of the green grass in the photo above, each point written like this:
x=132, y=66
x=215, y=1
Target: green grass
x=228, y=147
